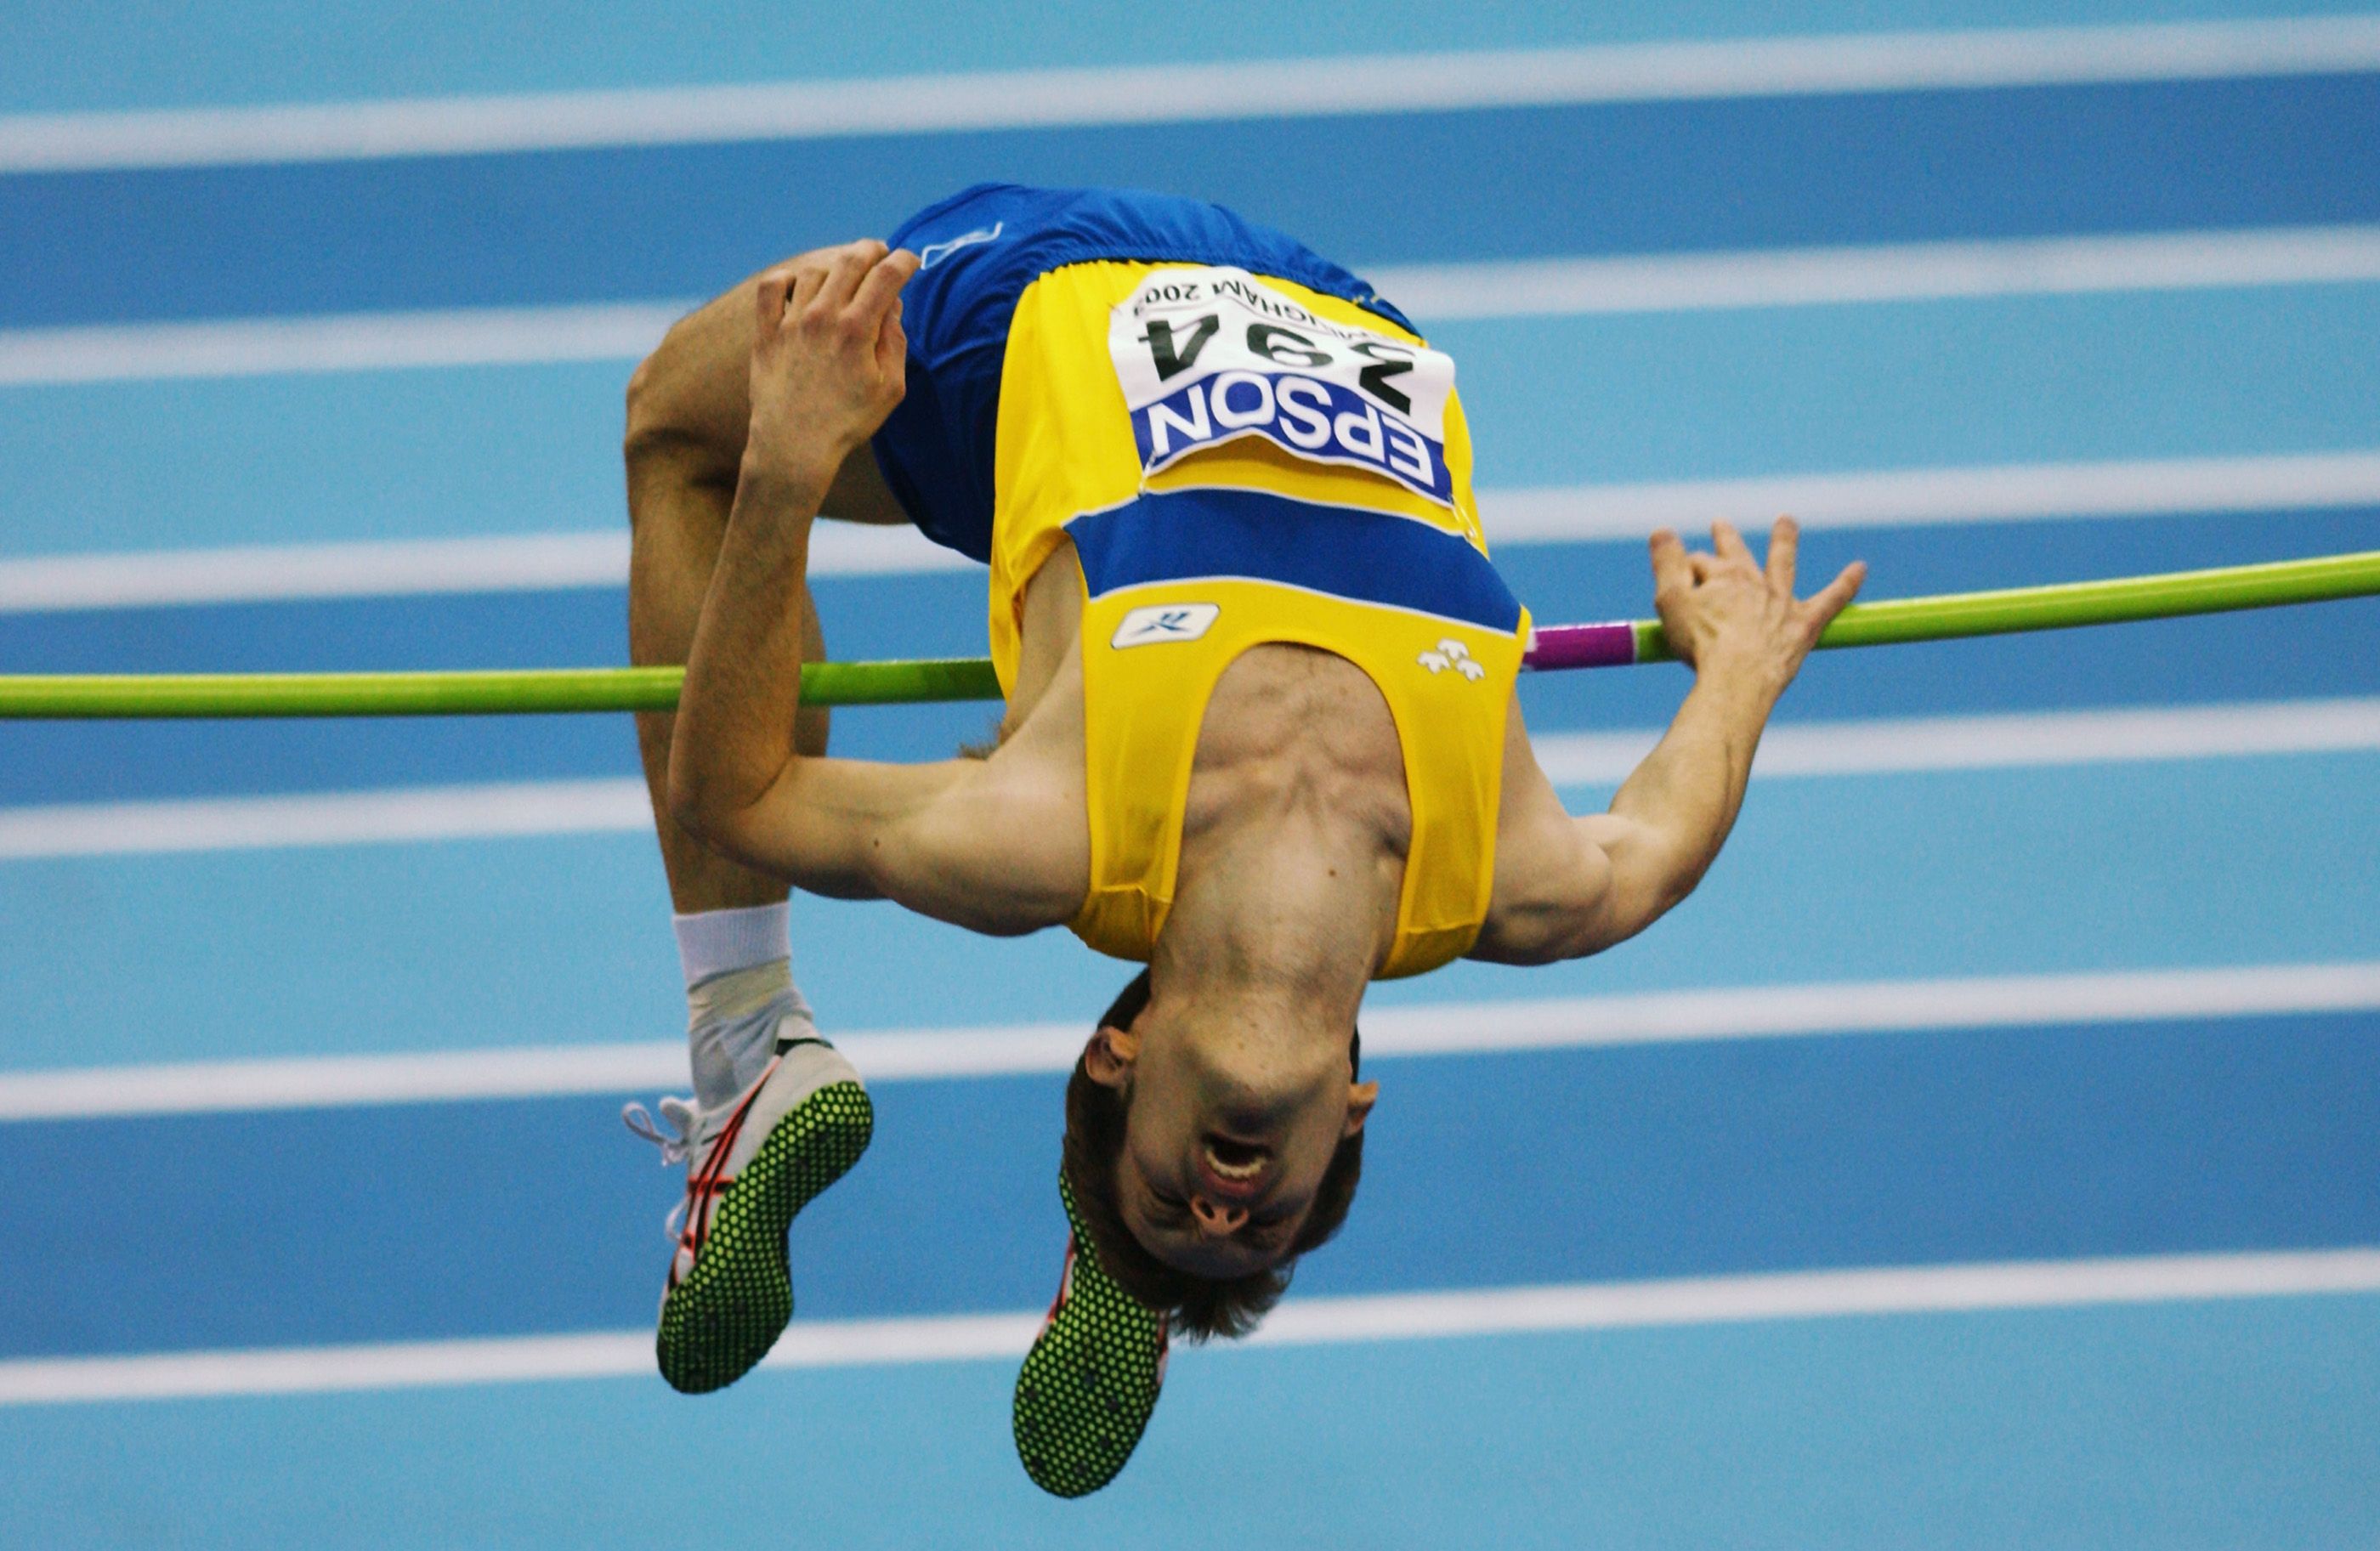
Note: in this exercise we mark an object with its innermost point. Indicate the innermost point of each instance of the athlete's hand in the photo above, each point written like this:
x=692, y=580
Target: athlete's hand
x=828, y=357
x=1725, y=613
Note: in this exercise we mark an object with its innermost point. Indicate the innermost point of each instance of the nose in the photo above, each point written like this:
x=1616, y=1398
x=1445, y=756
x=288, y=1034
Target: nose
x=1217, y=1221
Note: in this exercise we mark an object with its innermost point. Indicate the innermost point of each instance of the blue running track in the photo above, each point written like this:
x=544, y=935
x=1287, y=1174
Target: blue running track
x=2215, y=1152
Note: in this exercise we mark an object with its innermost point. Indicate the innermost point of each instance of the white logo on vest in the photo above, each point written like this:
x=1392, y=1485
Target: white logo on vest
x=1454, y=655
x=1165, y=622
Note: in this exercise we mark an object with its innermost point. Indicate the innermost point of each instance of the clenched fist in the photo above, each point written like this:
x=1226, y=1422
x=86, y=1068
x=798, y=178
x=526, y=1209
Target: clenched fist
x=828, y=358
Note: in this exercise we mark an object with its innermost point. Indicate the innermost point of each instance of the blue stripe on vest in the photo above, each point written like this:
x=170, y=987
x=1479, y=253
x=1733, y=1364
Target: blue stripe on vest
x=1368, y=557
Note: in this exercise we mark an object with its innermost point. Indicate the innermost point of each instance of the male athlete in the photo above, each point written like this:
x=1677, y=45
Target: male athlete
x=1261, y=734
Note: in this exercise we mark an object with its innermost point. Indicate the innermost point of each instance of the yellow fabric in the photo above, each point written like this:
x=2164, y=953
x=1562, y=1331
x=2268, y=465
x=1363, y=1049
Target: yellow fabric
x=1066, y=448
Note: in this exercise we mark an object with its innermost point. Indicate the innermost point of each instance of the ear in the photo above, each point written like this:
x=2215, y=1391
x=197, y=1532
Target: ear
x=1361, y=1097
x=1109, y=1057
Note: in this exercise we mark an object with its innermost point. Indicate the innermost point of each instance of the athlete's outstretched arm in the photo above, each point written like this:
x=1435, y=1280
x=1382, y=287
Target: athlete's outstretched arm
x=1578, y=886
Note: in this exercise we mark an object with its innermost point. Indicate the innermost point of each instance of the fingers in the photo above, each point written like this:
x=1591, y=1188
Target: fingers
x=1670, y=572
x=1784, y=551
x=880, y=290
x=825, y=277
x=810, y=274
x=1830, y=601
x=855, y=290
x=876, y=309
x=1676, y=567
x=852, y=264
x=1728, y=544
x=770, y=295
x=891, y=345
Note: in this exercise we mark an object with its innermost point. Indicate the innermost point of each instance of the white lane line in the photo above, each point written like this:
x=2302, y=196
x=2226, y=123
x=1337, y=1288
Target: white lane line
x=391, y=568
x=1934, y=497
x=427, y=813
x=1866, y=1293
x=1880, y=498
x=340, y=341
x=1909, y=272
x=1821, y=1294
x=1875, y=1007
x=288, y=573
x=1432, y=293
x=1886, y=746
x=1189, y=92
x=1449, y=1029
x=1864, y=747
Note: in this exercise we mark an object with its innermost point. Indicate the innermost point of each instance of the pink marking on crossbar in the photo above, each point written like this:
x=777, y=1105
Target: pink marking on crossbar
x=1583, y=645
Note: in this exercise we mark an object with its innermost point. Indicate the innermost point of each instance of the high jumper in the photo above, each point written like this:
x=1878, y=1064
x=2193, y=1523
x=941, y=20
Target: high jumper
x=1261, y=734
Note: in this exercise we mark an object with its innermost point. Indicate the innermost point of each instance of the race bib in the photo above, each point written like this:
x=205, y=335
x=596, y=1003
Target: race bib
x=1205, y=355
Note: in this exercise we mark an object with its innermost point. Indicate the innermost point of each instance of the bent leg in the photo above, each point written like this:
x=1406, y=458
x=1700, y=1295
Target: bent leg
x=778, y=1115
x=679, y=515
x=676, y=533
x=688, y=407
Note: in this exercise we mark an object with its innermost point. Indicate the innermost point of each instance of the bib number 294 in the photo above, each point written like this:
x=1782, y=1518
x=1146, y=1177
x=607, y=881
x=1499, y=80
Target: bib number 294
x=1206, y=356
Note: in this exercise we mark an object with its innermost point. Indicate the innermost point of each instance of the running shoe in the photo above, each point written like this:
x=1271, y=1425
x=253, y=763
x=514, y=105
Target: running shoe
x=1090, y=1383
x=751, y=1164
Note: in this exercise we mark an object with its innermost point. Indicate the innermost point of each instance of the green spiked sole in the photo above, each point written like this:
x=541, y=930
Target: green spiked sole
x=739, y=1297
x=1090, y=1383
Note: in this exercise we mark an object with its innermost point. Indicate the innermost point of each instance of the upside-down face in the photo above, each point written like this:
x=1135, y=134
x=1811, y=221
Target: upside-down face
x=1227, y=1137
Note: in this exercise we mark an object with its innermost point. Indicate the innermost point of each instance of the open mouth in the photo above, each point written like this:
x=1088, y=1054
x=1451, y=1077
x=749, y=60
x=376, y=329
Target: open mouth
x=1235, y=1170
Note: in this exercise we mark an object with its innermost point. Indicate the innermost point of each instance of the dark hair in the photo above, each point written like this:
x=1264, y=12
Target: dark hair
x=1199, y=1306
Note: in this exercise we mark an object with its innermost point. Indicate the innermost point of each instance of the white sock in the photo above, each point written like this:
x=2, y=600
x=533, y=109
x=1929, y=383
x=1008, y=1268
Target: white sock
x=739, y=997
x=715, y=941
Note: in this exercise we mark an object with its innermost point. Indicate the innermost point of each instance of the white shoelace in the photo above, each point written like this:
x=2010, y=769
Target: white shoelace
x=683, y=1118
x=688, y=1121
x=695, y=1127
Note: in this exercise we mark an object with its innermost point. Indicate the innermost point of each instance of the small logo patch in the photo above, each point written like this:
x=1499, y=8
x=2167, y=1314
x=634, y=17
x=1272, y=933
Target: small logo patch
x=1165, y=622
x=935, y=252
x=1454, y=655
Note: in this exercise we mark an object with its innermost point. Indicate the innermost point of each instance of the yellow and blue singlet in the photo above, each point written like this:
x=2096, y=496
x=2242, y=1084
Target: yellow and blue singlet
x=1230, y=514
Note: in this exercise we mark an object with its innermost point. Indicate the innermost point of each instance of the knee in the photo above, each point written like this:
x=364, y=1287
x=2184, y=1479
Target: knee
x=667, y=393
x=673, y=472
x=648, y=418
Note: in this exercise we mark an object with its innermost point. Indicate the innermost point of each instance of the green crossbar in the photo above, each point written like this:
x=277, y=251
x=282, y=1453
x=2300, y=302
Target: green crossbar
x=518, y=692
x=2064, y=605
